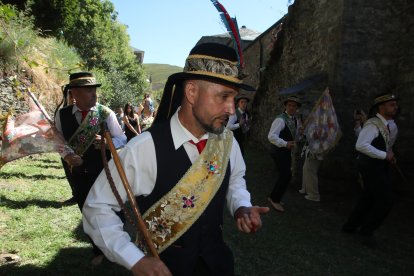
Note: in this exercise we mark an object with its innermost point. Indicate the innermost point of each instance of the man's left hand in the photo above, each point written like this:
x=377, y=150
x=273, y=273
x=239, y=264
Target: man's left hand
x=97, y=142
x=248, y=218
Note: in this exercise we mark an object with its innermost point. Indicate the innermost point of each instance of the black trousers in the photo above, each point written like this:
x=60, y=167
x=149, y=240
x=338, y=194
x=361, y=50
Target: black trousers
x=283, y=160
x=81, y=180
x=374, y=203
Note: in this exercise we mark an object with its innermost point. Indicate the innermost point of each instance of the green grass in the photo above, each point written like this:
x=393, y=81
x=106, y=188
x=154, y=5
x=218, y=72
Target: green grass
x=305, y=240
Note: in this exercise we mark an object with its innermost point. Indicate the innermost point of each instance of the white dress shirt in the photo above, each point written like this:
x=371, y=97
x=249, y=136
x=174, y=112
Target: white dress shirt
x=393, y=131
x=232, y=124
x=118, y=137
x=139, y=161
x=277, y=126
x=367, y=135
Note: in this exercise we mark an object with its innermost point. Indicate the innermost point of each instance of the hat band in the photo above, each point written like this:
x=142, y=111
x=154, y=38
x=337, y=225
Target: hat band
x=85, y=81
x=384, y=98
x=212, y=66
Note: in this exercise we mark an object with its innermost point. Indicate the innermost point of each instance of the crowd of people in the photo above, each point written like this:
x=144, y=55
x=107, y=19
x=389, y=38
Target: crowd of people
x=187, y=163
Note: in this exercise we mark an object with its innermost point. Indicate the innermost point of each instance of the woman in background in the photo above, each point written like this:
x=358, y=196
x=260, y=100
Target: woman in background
x=131, y=121
x=147, y=115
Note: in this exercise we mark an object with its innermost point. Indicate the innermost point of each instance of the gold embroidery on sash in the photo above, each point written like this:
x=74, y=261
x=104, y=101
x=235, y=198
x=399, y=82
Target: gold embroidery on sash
x=170, y=217
x=382, y=128
x=89, y=127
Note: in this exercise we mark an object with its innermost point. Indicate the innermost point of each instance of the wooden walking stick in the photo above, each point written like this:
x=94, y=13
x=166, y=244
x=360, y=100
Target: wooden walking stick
x=401, y=174
x=141, y=227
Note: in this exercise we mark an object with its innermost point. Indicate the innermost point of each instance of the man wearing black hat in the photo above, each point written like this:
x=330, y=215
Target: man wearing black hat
x=282, y=136
x=80, y=125
x=375, y=154
x=183, y=170
x=239, y=122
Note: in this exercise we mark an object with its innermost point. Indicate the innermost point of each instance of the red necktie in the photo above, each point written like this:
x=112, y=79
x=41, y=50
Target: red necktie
x=200, y=145
x=84, y=114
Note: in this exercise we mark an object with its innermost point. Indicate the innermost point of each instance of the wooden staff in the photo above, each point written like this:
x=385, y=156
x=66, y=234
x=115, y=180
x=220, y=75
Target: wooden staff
x=141, y=224
x=401, y=174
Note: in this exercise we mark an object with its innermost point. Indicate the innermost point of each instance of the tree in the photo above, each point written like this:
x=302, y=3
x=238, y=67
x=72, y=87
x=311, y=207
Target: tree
x=91, y=27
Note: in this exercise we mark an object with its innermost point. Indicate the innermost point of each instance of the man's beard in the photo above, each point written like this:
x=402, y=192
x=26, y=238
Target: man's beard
x=209, y=127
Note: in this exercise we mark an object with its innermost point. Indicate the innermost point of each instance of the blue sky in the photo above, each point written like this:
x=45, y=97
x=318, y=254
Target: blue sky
x=167, y=30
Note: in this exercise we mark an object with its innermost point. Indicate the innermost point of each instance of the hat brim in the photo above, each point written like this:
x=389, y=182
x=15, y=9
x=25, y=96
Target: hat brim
x=241, y=98
x=86, y=85
x=181, y=76
x=390, y=100
x=298, y=103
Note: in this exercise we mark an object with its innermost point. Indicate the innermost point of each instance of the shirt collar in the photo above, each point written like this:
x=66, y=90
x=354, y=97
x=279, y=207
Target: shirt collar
x=76, y=108
x=290, y=116
x=241, y=111
x=385, y=122
x=180, y=134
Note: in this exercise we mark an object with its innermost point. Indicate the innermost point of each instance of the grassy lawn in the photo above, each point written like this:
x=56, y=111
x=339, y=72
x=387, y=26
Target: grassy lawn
x=305, y=240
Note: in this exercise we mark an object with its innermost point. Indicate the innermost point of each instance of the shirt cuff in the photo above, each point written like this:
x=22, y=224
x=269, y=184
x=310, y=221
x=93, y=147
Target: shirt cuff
x=241, y=203
x=130, y=255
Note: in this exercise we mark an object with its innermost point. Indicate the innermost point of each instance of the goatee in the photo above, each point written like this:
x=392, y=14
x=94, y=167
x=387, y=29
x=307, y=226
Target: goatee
x=210, y=127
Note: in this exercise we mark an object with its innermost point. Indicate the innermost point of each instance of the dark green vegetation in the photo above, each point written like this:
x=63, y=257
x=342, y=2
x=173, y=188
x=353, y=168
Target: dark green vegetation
x=91, y=29
x=305, y=240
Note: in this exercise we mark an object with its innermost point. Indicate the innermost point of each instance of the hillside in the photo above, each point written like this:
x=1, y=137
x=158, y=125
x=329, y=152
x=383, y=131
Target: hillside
x=159, y=73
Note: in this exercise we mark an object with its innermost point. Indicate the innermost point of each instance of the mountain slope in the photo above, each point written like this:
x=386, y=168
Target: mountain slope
x=159, y=73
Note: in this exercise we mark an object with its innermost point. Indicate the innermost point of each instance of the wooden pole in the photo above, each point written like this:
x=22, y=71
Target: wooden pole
x=141, y=224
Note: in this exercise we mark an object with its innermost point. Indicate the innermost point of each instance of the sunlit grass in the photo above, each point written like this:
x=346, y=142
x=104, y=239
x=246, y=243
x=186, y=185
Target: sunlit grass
x=305, y=240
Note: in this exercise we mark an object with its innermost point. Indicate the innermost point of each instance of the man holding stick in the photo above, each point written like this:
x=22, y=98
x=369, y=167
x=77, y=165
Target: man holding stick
x=182, y=171
x=79, y=125
x=375, y=155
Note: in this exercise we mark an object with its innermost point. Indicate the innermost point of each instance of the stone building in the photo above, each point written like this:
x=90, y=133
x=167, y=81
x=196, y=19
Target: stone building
x=358, y=49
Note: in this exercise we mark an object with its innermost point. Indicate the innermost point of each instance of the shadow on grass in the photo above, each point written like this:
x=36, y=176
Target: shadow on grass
x=43, y=159
x=13, y=204
x=6, y=175
x=51, y=166
x=306, y=238
x=68, y=261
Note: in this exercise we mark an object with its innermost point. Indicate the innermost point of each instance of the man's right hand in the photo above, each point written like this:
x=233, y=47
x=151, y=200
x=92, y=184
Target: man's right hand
x=73, y=160
x=390, y=156
x=150, y=266
x=290, y=144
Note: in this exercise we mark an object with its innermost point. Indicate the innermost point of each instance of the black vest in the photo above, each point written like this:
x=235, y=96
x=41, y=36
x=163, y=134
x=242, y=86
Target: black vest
x=204, y=238
x=92, y=160
x=238, y=133
x=286, y=135
x=366, y=162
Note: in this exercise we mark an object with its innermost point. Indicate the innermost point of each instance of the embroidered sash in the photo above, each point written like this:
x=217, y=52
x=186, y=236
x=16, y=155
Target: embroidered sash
x=89, y=127
x=170, y=217
x=290, y=123
x=382, y=128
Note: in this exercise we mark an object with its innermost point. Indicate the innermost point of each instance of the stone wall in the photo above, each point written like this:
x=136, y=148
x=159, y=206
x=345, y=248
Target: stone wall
x=11, y=97
x=257, y=54
x=404, y=79
x=363, y=48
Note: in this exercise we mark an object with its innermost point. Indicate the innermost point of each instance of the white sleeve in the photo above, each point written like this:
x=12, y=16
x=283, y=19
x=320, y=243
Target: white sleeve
x=231, y=124
x=277, y=126
x=100, y=221
x=237, y=194
x=357, y=130
x=368, y=133
x=118, y=136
